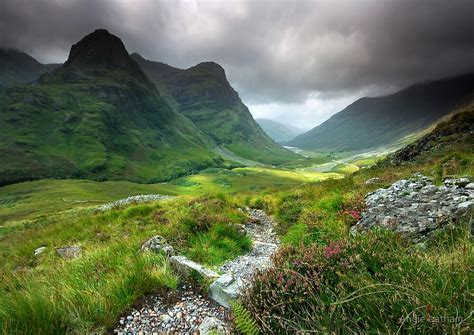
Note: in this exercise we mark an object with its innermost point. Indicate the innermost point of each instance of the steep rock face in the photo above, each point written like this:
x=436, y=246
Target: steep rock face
x=203, y=94
x=96, y=119
x=374, y=122
x=102, y=50
x=18, y=68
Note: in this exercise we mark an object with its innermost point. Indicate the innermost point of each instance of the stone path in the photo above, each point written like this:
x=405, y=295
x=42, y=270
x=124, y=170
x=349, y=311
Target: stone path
x=188, y=312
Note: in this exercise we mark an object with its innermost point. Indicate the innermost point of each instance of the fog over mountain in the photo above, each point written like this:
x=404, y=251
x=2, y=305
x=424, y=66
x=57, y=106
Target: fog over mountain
x=295, y=62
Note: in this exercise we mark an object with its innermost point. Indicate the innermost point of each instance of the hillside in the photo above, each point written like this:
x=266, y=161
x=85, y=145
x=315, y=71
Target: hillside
x=277, y=131
x=203, y=94
x=97, y=117
x=18, y=67
x=455, y=132
x=374, y=122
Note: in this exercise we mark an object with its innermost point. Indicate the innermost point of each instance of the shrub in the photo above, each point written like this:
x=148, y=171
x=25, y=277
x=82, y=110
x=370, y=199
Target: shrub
x=361, y=284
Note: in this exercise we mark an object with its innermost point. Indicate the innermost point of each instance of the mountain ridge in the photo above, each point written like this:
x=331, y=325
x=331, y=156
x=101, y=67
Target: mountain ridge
x=17, y=67
x=203, y=94
x=374, y=122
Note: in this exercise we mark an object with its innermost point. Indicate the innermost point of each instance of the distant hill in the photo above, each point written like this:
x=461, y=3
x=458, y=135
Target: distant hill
x=374, y=122
x=98, y=117
x=203, y=94
x=277, y=131
x=18, y=67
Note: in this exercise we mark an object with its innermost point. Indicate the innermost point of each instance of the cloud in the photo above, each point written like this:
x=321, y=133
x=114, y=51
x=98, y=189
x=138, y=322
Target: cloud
x=297, y=55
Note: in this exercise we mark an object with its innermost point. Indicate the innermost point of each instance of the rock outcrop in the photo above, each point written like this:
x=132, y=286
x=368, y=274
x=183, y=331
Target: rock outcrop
x=416, y=207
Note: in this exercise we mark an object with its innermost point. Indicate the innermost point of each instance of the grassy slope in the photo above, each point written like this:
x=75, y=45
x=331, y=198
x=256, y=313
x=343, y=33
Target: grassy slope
x=203, y=94
x=90, y=121
x=381, y=121
x=47, y=131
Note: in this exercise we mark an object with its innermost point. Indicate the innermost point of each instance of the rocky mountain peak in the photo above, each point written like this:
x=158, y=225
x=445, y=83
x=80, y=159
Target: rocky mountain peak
x=100, y=49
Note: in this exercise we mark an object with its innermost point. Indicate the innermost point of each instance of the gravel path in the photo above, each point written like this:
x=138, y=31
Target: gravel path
x=260, y=229
x=180, y=313
x=184, y=310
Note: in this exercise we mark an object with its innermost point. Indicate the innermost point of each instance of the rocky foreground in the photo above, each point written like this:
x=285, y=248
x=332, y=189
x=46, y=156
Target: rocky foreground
x=189, y=312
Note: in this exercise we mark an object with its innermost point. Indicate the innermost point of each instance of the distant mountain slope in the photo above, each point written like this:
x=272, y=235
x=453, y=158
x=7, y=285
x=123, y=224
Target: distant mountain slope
x=456, y=132
x=277, y=131
x=203, y=94
x=374, y=122
x=18, y=67
x=96, y=117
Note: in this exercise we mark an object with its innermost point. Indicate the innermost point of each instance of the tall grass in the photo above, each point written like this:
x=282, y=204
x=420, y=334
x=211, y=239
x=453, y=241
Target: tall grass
x=83, y=295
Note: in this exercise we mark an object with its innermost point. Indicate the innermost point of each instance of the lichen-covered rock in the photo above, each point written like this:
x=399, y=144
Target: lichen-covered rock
x=212, y=325
x=158, y=244
x=416, y=207
x=133, y=199
x=225, y=289
x=72, y=251
x=187, y=268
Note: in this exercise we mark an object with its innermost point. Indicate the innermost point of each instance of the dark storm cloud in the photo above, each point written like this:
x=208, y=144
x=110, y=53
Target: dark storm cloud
x=273, y=51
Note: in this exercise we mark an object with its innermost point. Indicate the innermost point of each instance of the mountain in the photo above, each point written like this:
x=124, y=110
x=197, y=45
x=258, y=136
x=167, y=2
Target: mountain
x=18, y=67
x=203, y=94
x=279, y=132
x=453, y=135
x=98, y=117
x=374, y=122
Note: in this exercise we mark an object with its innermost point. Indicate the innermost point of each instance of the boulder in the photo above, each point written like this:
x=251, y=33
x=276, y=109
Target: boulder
x=39, y=251
x=416, y=207
x=372, y=181
x=72, y=251
x=158, y=244
x=225, y=289
x=187, y=268
x=212, y=325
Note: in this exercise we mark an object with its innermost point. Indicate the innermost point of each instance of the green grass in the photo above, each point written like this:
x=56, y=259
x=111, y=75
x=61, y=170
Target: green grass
x=40, y=198
x=80, y=295
x=46, y=294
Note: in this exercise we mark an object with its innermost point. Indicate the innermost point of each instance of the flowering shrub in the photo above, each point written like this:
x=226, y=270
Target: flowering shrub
x=361, y=284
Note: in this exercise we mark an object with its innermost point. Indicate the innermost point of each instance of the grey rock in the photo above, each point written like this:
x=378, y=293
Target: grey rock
x=186, y=267
x=72, y=251
x=158, y=244
x=141, y=198
x=39, y=251
x=212, y=325
x=372, y=181
x=225, y=289
x=416, y=207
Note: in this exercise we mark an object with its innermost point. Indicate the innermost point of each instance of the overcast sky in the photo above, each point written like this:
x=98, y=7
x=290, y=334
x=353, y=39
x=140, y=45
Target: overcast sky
x=297, y=62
